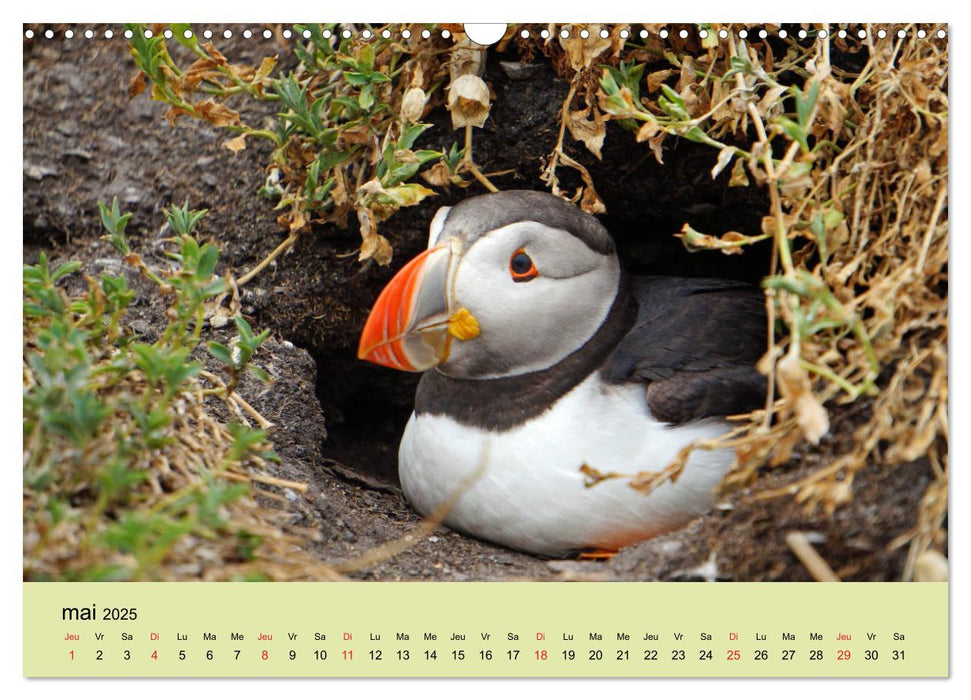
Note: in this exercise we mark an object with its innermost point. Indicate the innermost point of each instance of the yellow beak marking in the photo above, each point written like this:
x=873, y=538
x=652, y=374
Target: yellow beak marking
x=463, y=325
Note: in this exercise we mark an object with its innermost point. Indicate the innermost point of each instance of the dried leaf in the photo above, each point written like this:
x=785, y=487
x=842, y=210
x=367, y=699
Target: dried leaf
x=771, y=99
x=590, y=201
x=655, y=79
x=582, y=52
x=358, y=134
x=692, y=103
x=216, y=114
x=730, y=243
x=686, y=76
x=647, y=131
x=298, y=221
x=372, y=186
x=266, y=67
x=373, y=246
x=218, y=315
x=236, y=144
x=655, y=142
x=437, y=175
x=339, y=192
x=725, y=156
x=590, y=132
x=738, y=178
x=201, y=69
x=137, y=85
x=832, y=107
x=211, y=49
x=173, y=113
x=592, y=476
x=795, y=387
x=377, y=248
x=409, y=194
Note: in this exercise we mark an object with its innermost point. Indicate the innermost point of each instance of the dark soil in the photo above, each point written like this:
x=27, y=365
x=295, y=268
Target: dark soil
x=84, y=141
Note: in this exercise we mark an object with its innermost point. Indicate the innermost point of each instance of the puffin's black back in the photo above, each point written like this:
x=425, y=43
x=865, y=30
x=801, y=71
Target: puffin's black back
x=695, y=344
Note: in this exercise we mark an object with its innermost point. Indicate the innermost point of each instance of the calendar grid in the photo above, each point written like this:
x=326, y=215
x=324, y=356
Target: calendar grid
x=486, y=629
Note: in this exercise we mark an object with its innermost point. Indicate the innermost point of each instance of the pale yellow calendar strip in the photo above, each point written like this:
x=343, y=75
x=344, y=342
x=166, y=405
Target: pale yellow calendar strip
x=485, y=629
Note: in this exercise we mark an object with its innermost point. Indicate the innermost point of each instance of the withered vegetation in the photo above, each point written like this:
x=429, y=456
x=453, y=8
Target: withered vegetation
x=863, y=299
x=853, y=153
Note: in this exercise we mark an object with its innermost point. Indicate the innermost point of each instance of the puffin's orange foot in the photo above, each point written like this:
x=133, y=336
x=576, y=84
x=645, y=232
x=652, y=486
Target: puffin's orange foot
x=597, y=554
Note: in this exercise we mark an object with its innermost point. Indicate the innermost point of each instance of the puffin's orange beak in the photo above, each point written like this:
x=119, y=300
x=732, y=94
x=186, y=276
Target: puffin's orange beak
x=408, y=326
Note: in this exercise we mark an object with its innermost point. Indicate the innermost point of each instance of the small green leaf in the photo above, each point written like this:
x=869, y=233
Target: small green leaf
x=366, y=98
x=65, y=269
x=207, y=262
x=259, y=373
x=114, y=223
x=116, y=476
x=365, y=58
x=179, y=32
x=673, y=104
x=425, y=156
x=182, y=219
x=356, y=78
x=607, y=82
x=794, y=131
x=410, y=134
x=245, y=440
x=805, y=103
x=221, y=353
x=217, y=286
x=244, y=328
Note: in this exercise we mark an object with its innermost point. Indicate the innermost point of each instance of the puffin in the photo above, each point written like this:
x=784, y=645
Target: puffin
x=544, y=363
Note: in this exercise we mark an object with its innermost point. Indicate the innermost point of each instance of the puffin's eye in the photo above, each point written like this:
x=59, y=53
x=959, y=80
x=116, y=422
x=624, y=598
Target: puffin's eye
x=521, y=267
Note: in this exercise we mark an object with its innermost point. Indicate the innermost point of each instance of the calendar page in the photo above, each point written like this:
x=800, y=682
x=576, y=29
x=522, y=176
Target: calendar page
x=485, y=350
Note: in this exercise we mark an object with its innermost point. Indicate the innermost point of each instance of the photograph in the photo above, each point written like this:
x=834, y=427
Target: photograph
x=421, y=303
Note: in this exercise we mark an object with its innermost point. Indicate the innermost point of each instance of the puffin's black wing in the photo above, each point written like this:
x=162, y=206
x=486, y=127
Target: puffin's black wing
x=694, y=344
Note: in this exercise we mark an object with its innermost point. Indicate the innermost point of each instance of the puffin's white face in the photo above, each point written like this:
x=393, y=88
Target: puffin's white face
x=514, y=299
x=538, y=294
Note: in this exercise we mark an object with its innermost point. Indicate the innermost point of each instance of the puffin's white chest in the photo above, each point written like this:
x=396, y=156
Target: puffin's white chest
x=530, y=492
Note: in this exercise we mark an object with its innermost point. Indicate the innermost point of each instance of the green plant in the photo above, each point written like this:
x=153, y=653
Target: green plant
x=238, y=359
x=805, y=299
x=116, y=480
x=344, y=134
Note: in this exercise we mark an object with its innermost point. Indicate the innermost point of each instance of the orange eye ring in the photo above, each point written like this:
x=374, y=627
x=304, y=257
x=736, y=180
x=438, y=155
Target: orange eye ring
x=521, y=267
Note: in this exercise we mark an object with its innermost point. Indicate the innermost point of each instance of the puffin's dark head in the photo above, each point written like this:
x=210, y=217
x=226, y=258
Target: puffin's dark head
x=511, y=282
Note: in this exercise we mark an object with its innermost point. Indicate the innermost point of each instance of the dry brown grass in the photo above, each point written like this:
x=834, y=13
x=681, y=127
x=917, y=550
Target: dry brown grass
x=857, y=291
